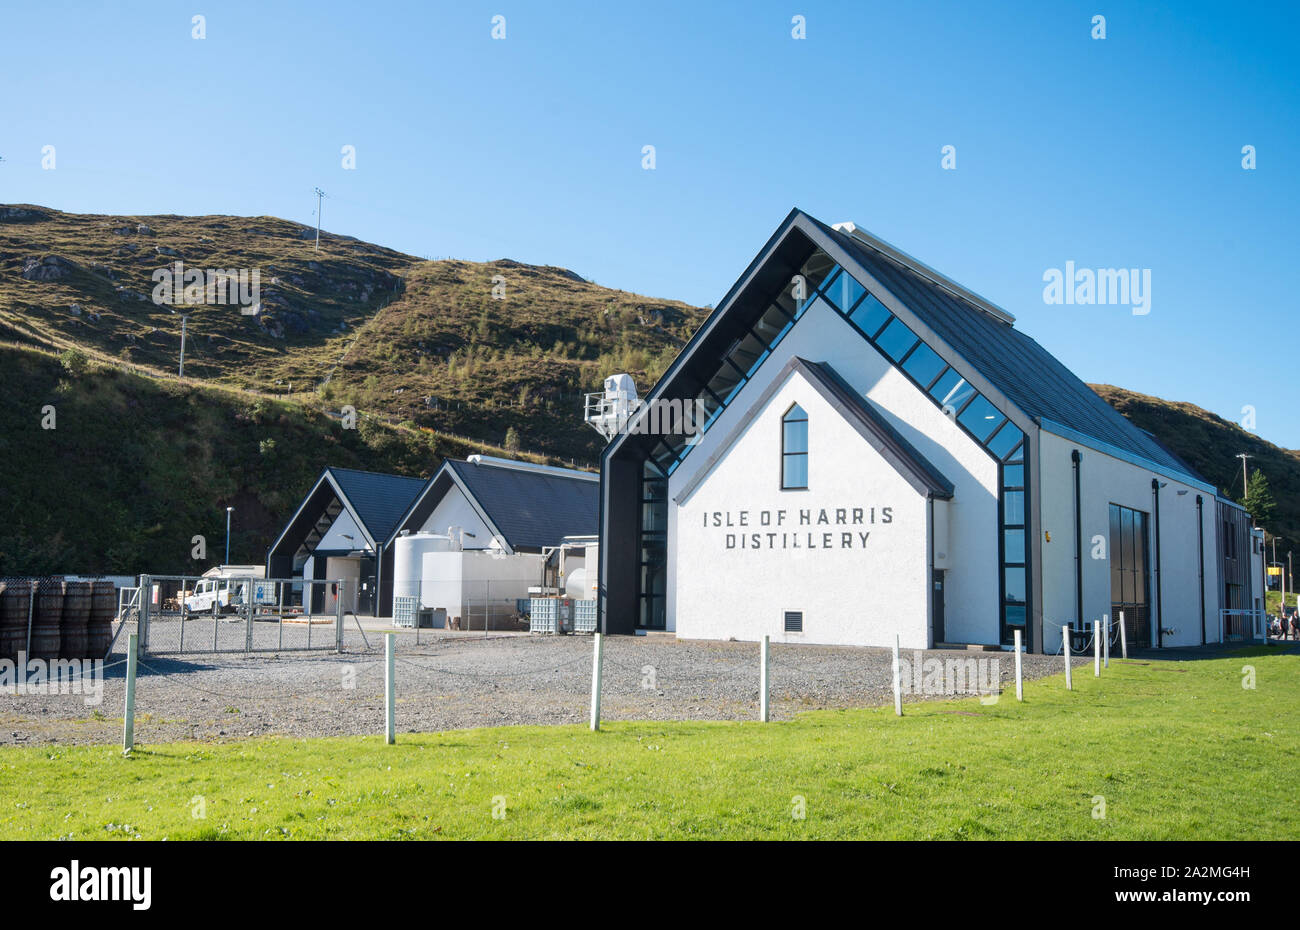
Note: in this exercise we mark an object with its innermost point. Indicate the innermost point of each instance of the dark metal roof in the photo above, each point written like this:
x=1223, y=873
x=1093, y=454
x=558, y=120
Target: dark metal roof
x=531, y=509
x=377, y=500
x=1026, y=373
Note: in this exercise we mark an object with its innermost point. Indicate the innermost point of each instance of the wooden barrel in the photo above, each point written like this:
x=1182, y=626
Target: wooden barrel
x=103, y=608
x=14, y=594
x=45, y=623
x=73, y=641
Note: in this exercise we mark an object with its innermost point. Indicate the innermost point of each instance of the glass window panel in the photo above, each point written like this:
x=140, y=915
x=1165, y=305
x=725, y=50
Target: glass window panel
x=1013, y=546
x=924, y=365
x=1015, y=585
x=794, y=471
x=1013, y=508
x=725, y=383
x=870, y=315
x=772, y=325
x=1018, y=455
x=951, y=390
x=1013, y=476
x=896, y=339
x=1014, y=616
x=844, y=291
x=1005, y=439
x=795, y=431
x=980, y=417
x=785, y=300
x=748, y=353
x=817, y=269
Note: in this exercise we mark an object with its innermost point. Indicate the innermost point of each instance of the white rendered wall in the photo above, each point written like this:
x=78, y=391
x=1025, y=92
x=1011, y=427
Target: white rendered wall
x=343, y=525
x=1104, y=480
x=822, y=335
x=851, y=589
x=455, y=510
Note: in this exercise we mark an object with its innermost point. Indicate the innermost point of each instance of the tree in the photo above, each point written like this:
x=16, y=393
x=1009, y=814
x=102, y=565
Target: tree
x=512, y=439
x=1259, y=499
x=74, y=362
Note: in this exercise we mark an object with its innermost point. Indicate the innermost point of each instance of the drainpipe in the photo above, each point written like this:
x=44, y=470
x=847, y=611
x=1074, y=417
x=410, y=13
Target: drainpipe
x=1077, y=458
x=1160, y=600
x=1200, y=562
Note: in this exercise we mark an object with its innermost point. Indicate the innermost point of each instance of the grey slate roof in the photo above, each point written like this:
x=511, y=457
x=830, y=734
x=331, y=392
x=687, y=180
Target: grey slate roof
x=1029, y=376
x=378, y=499
x=531, y=509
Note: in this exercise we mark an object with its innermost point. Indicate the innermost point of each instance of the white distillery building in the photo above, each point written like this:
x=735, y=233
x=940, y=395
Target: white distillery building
x=881, y=452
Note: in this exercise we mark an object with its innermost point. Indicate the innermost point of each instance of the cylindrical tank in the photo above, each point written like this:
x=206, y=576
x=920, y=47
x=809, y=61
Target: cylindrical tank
x=103, y=608
x=408, y=561
x=575, y=586
x=14, y=602
x=46, y=637
x=73, y=627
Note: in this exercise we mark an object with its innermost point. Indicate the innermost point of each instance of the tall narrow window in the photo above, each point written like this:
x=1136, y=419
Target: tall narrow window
x=794, y=449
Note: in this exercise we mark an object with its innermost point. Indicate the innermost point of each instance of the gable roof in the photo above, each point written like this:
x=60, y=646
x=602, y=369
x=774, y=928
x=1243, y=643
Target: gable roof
x=967, y=331
x=1027, y=374
x=859, y=412
x=531, y=509
x=375, y=499
x=527, y=507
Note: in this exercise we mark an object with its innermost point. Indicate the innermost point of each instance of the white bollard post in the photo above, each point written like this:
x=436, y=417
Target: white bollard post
x=128, y=713
x=1065, y=650
x=1105, y=645
x=597, y=661
x=764, y=712
x=1123, y=637
x=1020, y=681
x=1096, y=649
x=898, y=681
x=390, y=723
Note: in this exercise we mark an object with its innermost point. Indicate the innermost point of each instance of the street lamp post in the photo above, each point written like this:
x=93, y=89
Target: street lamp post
x=228, y=512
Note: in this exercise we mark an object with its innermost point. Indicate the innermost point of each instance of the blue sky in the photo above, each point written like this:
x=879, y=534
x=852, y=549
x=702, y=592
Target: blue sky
x=1122, y=152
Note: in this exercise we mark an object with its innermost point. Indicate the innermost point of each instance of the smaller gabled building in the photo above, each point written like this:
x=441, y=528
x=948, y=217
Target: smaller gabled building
x=338, y=533
x=347, y=526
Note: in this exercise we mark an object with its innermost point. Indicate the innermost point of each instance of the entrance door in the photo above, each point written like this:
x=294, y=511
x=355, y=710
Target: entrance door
x=936, y=604
x=1130, y=581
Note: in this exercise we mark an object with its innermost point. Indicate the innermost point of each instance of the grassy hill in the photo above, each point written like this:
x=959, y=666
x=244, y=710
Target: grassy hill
x=439, y=358
x=458, y=347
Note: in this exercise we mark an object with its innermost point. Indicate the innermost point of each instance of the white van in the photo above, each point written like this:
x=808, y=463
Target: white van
x=218, y=595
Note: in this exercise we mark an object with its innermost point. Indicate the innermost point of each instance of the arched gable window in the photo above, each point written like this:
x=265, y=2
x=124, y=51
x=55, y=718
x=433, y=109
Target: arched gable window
x=794, y=449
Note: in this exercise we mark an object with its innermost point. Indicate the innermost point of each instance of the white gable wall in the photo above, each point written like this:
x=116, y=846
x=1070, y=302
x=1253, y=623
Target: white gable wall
x=343, y=525
x=822, y=335
x=455, y=510
x=747, y=551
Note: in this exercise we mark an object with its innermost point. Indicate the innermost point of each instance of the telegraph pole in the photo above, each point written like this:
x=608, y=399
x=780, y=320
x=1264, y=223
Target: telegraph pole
x=181, y=371
x=320, y=195
x=1244, y=490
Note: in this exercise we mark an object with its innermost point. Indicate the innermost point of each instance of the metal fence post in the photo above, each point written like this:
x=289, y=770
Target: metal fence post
x=280, y=625
x=31, y=612
x=1020, y=680
x=146, y=605
x=1123, y=637
x=763, y=705
x=597, y=661
x=389, y=703
x=898, y=680
x=248, y=616
x=1065, y=650
x=128, y=713
x=1105, y=645
x=1096, y=649
x=338, y=622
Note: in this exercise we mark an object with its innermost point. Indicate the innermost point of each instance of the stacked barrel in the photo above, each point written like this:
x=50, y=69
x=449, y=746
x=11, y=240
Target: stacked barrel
x=15, y=594
x=69, y=619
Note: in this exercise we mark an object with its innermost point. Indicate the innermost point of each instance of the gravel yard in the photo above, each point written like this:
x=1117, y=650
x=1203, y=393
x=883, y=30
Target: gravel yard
x=458, y=680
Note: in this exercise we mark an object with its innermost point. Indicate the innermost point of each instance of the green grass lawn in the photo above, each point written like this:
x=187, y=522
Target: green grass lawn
x=1178, y=750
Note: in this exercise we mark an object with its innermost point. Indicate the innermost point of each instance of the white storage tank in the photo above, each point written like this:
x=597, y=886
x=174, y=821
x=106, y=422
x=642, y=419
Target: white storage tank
x=408, y=561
